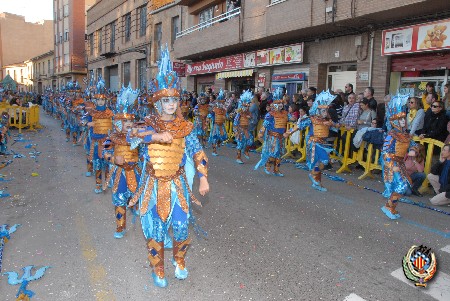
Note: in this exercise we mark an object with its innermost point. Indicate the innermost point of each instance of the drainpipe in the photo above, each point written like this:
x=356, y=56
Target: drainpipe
x=372, y=38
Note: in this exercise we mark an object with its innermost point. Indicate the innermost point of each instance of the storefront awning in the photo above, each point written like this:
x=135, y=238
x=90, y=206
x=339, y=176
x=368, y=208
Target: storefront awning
x=238, y=73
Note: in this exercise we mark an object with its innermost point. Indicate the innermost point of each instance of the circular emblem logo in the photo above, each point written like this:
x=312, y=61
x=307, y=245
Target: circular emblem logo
x=419, y=265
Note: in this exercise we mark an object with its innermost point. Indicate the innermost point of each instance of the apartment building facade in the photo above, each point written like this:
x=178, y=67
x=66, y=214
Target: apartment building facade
x=300, y=43
x=16, y=36
x=69, y=25
x=119, y=42
x=42, y=72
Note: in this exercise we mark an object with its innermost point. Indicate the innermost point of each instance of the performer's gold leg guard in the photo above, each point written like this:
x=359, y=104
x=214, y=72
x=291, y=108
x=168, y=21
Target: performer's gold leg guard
x=246, y=153
x=214, y=149
x=74, y=138
x=156, y=258
x=179, y=255
x=121, y=218
x=67, y=134
x=276, y=167
x=391, y=204
x=238, y=157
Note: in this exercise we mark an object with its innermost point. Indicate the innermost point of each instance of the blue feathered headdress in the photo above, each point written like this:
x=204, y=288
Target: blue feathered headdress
x=396, y=109
x=166, y=82
x=245, y=99
x=322, y=101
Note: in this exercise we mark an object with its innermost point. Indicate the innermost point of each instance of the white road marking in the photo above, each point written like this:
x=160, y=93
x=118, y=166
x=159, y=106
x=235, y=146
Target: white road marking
x=353, y=297
x=438, y=287
x=446, y=249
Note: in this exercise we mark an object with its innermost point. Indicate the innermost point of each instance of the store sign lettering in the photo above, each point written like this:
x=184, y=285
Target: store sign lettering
x=216, y=65
x=288, y=77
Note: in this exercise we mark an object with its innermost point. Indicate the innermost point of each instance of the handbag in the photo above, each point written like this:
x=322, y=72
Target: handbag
x=295, y=137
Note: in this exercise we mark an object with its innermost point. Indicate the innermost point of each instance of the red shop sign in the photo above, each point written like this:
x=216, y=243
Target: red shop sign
x=216, y=65
x=288, y=77
x=179, y=68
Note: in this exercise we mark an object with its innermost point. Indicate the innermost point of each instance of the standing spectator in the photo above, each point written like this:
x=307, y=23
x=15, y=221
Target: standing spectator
x=435, y=124
x=439, y=178
x=254, y=110
x=263, y=104
x=429, y=90
x=446, y=100
x=312, y=93
x=366, y=116
x=360, y=97
x=304, y=93
x=381, y=112
x=429, y=99
x=414, y=163
x=348, y=89
x=416, y=116
x=335, y=108
x=350, y=113
x=368, y=94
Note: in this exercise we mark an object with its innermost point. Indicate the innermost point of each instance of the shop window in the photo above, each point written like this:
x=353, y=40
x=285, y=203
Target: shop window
x=204, y=16
x=142, y=73
x=175, y=29
x=158, y=37
x=91, y=44
x=126, y=73
x=127, y=26
x=142, y=20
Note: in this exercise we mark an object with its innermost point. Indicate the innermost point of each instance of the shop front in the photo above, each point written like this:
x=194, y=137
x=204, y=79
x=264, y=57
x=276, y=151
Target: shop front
x=420, y=54
x=237, y=81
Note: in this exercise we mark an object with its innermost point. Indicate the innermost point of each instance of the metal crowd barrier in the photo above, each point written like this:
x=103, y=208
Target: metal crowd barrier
x=22, y=117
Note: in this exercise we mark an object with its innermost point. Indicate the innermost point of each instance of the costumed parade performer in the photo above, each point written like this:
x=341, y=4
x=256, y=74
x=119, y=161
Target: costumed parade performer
x=201, y=111
x=217, y=116
x=174, y=155
x=395, y=148
x=185, y=104
x=100, y=123
x=274, y=126
x=242, y=134
x=317, y=150
x=124, y=174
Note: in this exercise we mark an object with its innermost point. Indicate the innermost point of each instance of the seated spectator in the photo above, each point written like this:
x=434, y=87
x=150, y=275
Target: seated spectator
x=359, y=97
x=435, y=124
x=429, y=90
x=415, y=163
x=293, y=113
x=358, y=139
x=447, y=140
x=366, y=116
x=439, y=178
x=416, y=116
x=350, y=113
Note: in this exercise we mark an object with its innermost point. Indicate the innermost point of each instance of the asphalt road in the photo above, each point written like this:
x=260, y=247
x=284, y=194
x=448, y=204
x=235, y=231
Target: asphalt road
x=269, y=238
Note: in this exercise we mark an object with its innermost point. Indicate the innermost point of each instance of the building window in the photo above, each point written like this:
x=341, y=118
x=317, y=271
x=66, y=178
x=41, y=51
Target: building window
x=142, y=21
x=48, y=67
x=142, y=73
x=66, y=36
x=99, y=41
x=66, y=10
x=112, y=38
x=126, y=73
x=60, y=38
x=205, y=16
x=175, y=28
x=56, y=39
x=66, y=59
x=158, y=37
x=127, y=25
x=91, y=44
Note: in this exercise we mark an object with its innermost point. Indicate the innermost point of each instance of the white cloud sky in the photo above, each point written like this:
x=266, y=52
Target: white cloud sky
x=33, y=10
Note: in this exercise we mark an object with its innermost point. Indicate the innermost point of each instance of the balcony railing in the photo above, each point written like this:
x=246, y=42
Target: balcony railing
x=220, y=18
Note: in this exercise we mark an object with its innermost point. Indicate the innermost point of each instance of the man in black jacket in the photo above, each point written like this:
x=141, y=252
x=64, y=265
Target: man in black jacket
x=440, y=179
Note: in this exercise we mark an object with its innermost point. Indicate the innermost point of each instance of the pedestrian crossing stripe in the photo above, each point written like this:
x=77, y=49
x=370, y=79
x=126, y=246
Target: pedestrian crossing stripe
x=438, y=288
x=353, y=297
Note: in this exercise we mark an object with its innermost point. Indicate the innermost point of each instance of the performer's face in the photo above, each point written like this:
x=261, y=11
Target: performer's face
x=127, y=125
x=101, y=102
x=169, y=105
x=402, y=122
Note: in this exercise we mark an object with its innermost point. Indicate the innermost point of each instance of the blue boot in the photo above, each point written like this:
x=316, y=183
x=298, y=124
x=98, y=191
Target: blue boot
x=98, y=190
x=119, y=234
x=389, y=213
x=159, y=282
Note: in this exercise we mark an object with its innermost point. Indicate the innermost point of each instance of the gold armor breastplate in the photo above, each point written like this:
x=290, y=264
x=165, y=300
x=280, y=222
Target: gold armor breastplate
x=130, y=156
x=320, y=130
x=219, y=116
x=203, y=110
x=102, y=125
x=401, y=148
x=281, y=121
x=166, y=158
x=244, y=120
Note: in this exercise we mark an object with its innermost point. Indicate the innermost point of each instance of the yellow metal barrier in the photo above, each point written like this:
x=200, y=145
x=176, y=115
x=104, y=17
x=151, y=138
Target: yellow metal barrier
x=369, y=164
x=432, y=143
x=21, y=117
x=345, y=149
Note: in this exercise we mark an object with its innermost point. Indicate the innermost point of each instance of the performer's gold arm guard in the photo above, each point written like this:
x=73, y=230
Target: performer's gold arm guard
x=201, y=163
